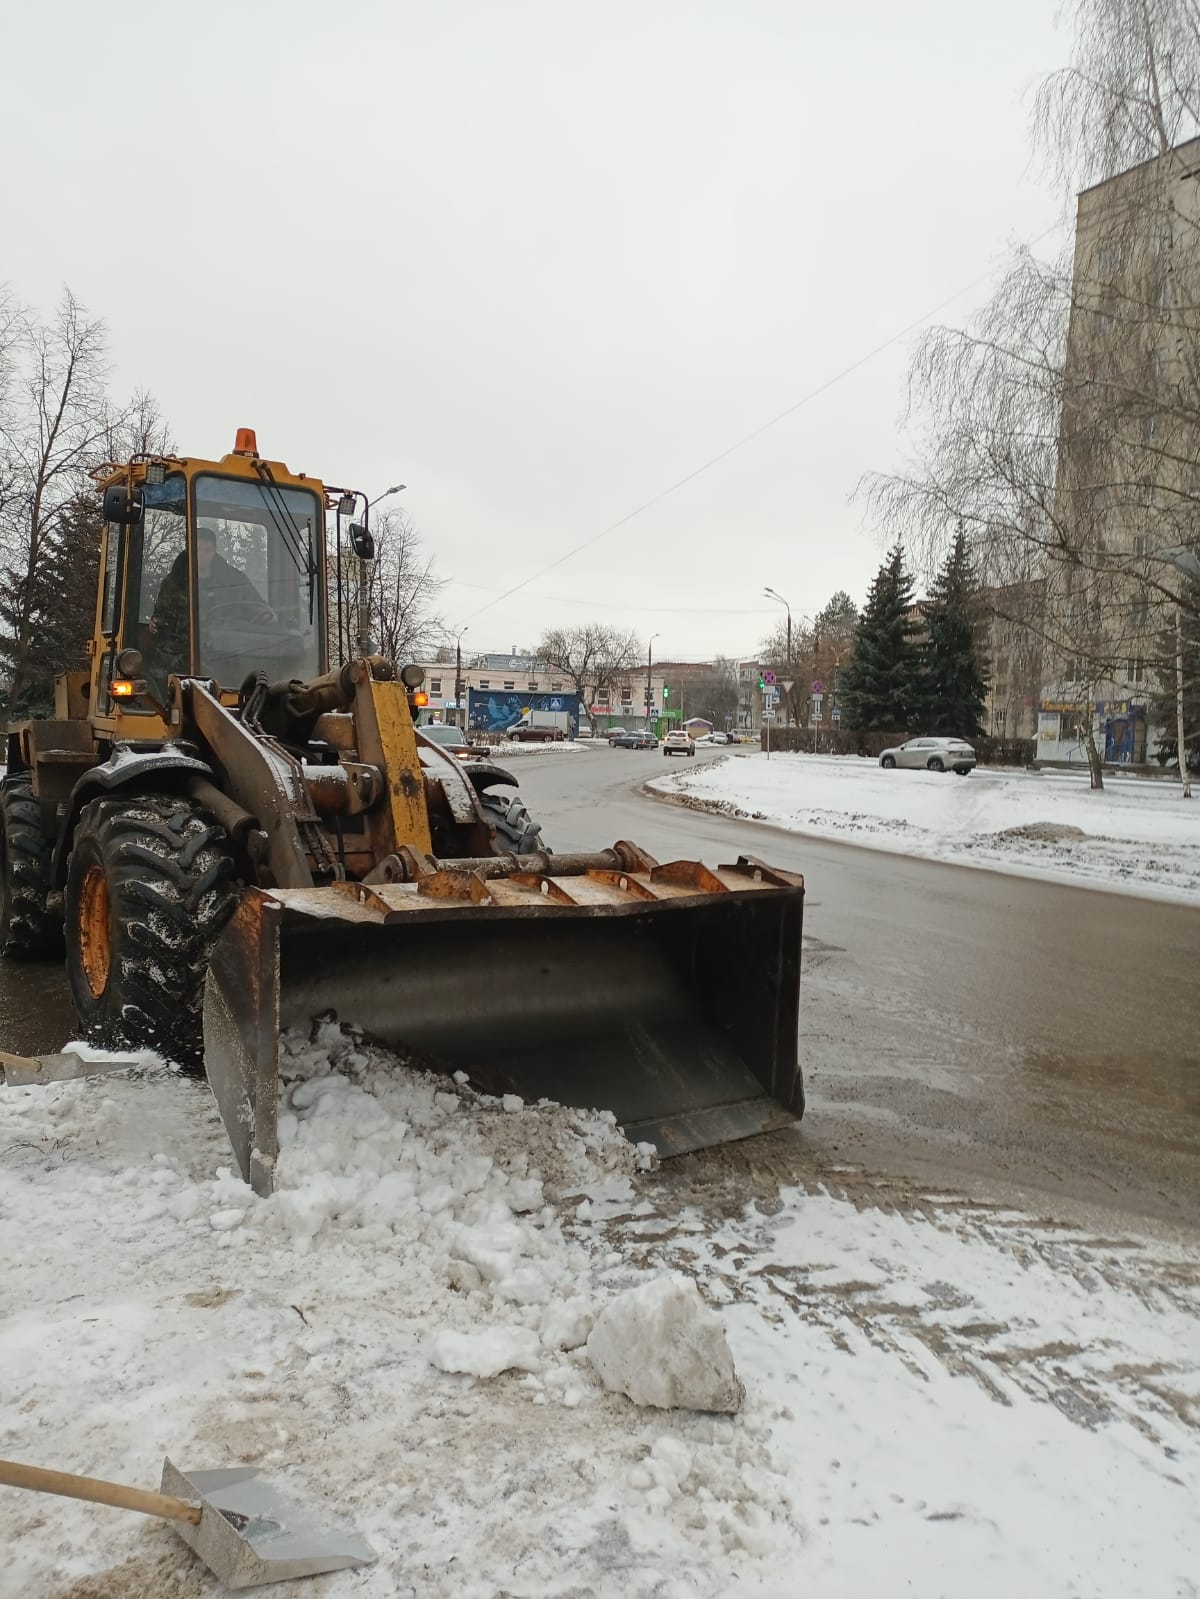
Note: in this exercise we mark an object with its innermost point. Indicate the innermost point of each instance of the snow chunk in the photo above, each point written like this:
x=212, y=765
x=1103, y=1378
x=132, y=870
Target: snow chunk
x=661, y=1345
x=489, y=1352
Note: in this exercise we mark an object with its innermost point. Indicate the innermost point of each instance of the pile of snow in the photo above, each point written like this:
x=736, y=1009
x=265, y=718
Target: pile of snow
x=513, y=749
x=945, y=1398
x=1137, y=834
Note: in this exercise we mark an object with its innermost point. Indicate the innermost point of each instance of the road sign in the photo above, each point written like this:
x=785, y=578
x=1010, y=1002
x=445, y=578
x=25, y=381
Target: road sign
x=769, y=679
x=768, y=714
x=836, y=714
x=818, y=688
x=817, y=705
x=770, y=695
x=789, y=684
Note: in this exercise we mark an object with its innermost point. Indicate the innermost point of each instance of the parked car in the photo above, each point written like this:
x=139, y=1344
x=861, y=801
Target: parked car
x=679, y=742
x=637, y=740
x=721, y=738
x=932, y=754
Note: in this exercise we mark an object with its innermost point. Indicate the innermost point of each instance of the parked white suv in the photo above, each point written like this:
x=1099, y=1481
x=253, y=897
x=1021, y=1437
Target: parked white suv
x=677, y=742
x=933, y=754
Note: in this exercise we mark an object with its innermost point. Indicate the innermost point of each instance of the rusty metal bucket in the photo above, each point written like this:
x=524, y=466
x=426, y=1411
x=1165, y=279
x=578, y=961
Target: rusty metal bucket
x=667, y=994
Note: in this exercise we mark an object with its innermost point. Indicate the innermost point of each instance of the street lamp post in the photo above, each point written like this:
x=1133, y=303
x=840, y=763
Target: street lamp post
x=649, y=657
x=363, y=641
x=458, y=682
x=1185, y=561
x=771, y=594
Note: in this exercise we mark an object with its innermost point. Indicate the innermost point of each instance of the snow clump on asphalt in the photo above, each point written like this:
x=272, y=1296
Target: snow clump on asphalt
x=660, y=1345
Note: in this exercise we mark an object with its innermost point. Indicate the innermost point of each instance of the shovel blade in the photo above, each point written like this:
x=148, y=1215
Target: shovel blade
x=250, y=1534
x=20, y=1071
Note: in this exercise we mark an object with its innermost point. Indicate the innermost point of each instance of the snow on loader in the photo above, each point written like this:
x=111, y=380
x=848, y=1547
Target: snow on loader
x=226, y=837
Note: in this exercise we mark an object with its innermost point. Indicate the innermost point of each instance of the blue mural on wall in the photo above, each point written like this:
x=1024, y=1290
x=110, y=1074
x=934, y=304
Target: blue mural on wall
x=493, y=712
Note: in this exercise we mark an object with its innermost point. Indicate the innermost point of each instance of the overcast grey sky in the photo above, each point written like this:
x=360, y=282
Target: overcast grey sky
x=538, y=260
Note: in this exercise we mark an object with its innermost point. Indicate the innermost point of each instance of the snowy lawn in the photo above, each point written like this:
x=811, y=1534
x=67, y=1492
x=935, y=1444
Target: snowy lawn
x=941, y=1397
x=1137, y=834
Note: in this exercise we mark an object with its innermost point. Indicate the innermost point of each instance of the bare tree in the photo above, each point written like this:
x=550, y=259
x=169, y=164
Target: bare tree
x=403, y=590
x=56, y=425
x=713, y=693
x=821, y=645
x=593, y=658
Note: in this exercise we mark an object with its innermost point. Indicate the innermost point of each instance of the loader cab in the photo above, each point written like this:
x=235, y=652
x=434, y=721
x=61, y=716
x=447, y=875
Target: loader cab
x=215, y=569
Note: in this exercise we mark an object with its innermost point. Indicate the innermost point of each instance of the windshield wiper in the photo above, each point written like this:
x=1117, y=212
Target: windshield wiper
x=302, y=557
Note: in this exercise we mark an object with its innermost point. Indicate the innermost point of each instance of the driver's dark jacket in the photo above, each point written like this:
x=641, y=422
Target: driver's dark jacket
x=224, y=585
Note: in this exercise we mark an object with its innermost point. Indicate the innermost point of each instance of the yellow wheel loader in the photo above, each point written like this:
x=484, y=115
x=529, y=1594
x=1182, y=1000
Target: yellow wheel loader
x=226, y=835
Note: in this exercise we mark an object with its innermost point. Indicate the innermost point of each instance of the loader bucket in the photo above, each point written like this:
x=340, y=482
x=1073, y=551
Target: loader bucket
x=667, y=994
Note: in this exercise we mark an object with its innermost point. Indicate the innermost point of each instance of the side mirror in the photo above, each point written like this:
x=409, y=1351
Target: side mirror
x=123, y=505
x=361, y=542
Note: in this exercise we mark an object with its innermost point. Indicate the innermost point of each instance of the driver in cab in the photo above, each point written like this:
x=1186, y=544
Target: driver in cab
x=218, y=584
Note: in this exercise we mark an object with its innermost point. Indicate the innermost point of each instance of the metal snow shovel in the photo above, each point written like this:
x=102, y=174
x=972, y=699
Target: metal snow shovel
x=240, y=1525
x=19, y=1071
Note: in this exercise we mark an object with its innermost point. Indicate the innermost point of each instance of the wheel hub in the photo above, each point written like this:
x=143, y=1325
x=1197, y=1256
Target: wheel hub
x=95, y=945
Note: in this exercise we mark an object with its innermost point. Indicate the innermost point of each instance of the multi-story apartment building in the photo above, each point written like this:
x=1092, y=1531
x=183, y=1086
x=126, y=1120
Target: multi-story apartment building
x=1013, y=637
x=1128, y=475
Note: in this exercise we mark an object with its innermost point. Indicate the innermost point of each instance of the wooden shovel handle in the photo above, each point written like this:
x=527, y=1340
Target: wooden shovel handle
x=98, y=1491
x=27, y=1063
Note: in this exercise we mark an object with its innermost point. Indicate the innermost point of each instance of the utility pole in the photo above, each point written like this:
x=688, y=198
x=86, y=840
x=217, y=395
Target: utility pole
x=458, y=679
x=649, y=656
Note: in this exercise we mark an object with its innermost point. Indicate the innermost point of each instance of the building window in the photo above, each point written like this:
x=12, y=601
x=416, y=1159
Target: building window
x=533, y=688
x=1141, y=544
x=556, y=688
x=626, y=696
x=1139, y=610
x=1073, y=673
x=1136, y=669
x=601, y=696
x=435, y=685
x=511, y=685
x=484, y=683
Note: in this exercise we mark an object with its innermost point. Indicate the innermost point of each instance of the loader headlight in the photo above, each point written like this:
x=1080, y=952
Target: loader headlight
x=412, y=675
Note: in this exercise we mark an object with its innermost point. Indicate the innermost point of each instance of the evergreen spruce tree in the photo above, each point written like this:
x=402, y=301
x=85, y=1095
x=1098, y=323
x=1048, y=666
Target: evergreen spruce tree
x=955, y=684
x=59, y=599
x=881, y=690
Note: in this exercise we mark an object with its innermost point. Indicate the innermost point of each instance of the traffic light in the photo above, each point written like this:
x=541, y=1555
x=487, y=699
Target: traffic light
x=762, y=683
x=666, y=692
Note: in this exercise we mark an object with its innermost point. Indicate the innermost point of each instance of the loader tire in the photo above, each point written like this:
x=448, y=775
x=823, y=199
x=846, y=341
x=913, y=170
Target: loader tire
x=149, y=886
x=516, y=831
x=29, y=929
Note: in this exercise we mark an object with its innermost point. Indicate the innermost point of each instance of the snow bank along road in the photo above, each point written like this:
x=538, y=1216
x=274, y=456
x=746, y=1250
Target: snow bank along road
x=1135, y=836
x=941, y=1397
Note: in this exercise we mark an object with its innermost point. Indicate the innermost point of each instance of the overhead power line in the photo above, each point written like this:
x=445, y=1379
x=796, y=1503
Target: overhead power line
x=748, y=438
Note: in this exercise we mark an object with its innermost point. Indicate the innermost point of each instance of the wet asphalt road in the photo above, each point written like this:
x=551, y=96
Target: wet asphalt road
x=958, y=1026
x=993, y=1034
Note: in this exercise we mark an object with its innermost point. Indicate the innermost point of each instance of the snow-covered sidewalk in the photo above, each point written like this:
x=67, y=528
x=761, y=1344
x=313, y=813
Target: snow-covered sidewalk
x=1136, y=835
x=941, y=1397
